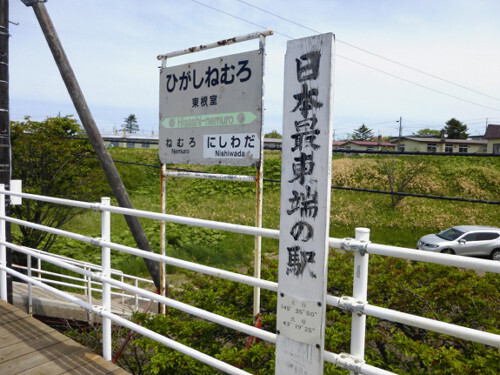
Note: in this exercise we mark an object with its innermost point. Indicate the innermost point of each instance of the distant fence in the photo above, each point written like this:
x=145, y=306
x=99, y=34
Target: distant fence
x=356, y=303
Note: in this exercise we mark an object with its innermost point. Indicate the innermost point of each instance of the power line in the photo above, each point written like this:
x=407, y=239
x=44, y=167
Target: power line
x=418, y=84
x=346, y=58
x=381, y=123
x=375, y=54
x=238, y=18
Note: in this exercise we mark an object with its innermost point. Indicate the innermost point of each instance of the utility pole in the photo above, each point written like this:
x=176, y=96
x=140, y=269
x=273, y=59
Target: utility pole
x=5, y=160
x=90, y=126
x=400, y=131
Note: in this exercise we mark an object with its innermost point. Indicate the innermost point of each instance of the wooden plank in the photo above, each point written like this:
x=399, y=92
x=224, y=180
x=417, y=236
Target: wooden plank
x=32, y=345
x=119, y=371
x=29, y=347
x=6, y=307
x=10, y=332
x=57, y=367
x=95, y=364
x=73, y=363
x=34, y=359
x=10, y=317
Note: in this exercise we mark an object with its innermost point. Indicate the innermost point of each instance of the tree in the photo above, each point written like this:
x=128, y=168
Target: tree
x=363, y=133
x=455, y=129
x=51, y=161
x=400, y=174
x=130, y=125
x=428, y=132
x=273, y=134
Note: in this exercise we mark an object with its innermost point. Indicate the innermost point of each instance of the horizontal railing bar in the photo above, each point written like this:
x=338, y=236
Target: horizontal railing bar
x=128, y=296
x=50, y=273
x=62, y=283
x=229, y=275
x=363, y=367
x=453, y=330
x=241, y=278
x=76, y=286
x=79, y=262
x=210, y=224
x=211, y=176
x=202, y=357
x=135, y=327
x=215, y=318
x=42, y=198
x=97, y=267
x=371, y=310
x=449, y=329
x=95, y=290
x=250, y=330
x=398, y=252
x=471, y=263
x=59, y=232
x=49, y=288
x=153, y=256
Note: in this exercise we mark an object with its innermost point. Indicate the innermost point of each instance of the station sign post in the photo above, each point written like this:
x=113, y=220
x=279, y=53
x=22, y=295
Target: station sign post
x=211, y=111
x=305, y=205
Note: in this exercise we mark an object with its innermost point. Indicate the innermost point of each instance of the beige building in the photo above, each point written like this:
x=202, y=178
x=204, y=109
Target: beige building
x=363, y=145
x=492, y=136
x=435, y=144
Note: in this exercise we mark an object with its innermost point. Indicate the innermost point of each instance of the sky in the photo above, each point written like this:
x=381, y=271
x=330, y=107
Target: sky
x=424, y=61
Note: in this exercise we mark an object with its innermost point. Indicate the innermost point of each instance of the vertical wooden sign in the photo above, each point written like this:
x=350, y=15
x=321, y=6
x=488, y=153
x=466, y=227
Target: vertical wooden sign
x=305, y=205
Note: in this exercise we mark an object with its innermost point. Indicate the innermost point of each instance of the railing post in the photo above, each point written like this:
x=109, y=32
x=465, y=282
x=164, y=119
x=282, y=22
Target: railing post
x=30, y=294
x=123, y=297
x=39, y=265
x=360, y=287
x=3, y=251
x=89, y=296
x=136, y=296
x=106, y=272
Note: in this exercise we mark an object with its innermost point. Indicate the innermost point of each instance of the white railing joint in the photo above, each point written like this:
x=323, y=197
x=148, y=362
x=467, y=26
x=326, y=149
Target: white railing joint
x=352, y=304
x=353, y=245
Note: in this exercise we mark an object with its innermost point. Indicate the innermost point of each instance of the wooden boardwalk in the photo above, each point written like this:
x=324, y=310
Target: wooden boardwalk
x=29, y=347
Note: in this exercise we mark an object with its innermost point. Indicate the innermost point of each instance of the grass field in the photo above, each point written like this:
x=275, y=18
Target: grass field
x=402, y=225
x=465, y=298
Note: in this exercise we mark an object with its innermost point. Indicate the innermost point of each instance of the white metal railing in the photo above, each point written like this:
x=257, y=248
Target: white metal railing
x=83, y=283
x=356, y=303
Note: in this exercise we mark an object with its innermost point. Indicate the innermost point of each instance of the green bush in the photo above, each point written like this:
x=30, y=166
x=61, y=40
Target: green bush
x=437, y=292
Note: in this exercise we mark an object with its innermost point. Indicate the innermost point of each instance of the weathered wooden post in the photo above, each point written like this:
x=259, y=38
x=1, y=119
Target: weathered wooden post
x=305, y=205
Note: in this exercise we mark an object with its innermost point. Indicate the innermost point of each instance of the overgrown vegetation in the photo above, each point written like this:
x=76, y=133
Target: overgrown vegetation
x=437, y=292
x=453, y=295
x=51, y=160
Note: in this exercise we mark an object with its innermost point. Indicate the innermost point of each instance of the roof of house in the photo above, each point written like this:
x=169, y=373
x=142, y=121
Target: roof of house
x=445, y=140
x=364, y=143
x=492, y=131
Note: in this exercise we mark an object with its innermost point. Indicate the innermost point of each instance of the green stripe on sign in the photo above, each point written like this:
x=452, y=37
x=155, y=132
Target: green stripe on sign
x=219, y=119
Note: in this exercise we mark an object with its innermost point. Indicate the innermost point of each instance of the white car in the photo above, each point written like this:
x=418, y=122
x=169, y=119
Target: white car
x=469, y=240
